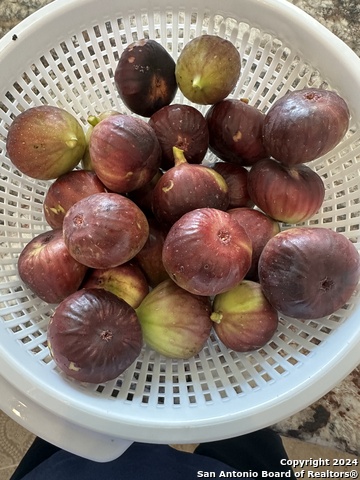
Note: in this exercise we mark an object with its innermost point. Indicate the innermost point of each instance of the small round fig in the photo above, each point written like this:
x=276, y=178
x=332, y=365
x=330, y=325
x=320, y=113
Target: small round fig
x=207, y=69
x=181, y=126
x=260, y=228
x=174, y=322
x=126, y=281
x=235, y=131
x=186, y=187
x=65, y=191
x=125, y=153
x=287, y=194
x=105, y=230
x=236, y=178
x=304, y=125
x=244, y=320
x=45, y=142
x=309, y=273
x=207, y=252
x=94, y=336
x=47, y=268
x=145, y=77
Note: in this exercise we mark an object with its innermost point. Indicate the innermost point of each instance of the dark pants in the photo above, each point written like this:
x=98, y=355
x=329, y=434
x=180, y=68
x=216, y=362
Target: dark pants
x=257, y=455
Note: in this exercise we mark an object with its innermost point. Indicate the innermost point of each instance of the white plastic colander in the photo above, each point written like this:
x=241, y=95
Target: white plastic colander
x=65, y=55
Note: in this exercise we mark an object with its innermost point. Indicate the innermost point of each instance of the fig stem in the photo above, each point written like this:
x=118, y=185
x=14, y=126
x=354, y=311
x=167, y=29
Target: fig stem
x=216, y=317
x=179, y=156
x=93, y=120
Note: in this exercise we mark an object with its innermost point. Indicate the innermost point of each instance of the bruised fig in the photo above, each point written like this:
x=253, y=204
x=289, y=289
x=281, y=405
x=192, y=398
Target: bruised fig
x=236, y=178
x=174, y=322
x=105, y=230
x=207, y=252
x=126, y=281
x=125, y=152
x=244, y=319
x=207, y=69
x=65, y=191
x=235, y=131
x=304, y=125
x=181, y=126
x=45, y=142
x=309, y=272
x=94, y=336
x=145, y=77
x=186, y=187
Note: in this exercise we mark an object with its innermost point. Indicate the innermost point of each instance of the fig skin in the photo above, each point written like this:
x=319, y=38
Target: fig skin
x=207, y=69
x=174, y=322
x=94, y=336
x=244, y=320
x=47, y=268
x=287, y=194
x=105, y=230
x=236, y=178
x=125, y=153
x=184, y=127
x=309, y=273
x=304, y=125
x=235, y=131
x=65, y=191
x=150, y=256
x=260, y=229
x=145, y=77
x=45, y=142
x=186, y=187
x=207, y=252
x=126, y=281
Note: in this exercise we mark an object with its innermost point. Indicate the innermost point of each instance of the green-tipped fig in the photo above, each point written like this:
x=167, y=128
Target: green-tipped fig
x=174, y=322
x=45, y=142
x=207, y=69
x=244, y=320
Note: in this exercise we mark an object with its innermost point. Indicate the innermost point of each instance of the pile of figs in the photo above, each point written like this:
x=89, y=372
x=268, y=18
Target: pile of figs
x=150, y=244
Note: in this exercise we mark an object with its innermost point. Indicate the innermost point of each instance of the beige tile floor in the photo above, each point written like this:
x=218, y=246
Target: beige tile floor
x=14, y=441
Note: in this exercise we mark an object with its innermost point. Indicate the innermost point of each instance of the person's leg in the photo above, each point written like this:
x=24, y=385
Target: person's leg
x=38, y=451
x=259, y=451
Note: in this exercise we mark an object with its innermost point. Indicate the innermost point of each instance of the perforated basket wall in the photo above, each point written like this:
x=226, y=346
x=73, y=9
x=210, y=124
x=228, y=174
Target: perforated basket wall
x=67, y=57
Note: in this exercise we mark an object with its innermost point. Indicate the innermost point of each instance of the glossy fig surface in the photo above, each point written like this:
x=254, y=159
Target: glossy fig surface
x=304, y=125
x=309, y=273
x=145, y=77
x=45, y=142
x=94, y=336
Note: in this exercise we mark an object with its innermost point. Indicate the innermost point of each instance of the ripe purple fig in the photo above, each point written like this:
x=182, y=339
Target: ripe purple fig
x=145, y=77
x=105, y=230
x=207, y=69
x=94, y=336
x=65, y=191
x=260, y=228
x=181, y=126
x=235, y=131
x=47, y=268
x=186, y=187
x=309, y=273
x=207, y=252
x=125, y=152
x=236, y=178
x=45, y=142
x=304, y=125
x=287, y=194
x=244, y=320
x=174, y=322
